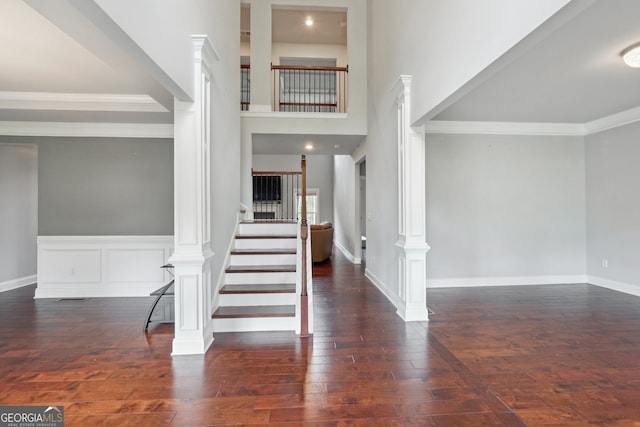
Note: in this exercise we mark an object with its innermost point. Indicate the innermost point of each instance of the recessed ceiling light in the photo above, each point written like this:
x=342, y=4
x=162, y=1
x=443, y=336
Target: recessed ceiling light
x=631, y=55
x=309, y=146
x=308, y=21
x=336, y=146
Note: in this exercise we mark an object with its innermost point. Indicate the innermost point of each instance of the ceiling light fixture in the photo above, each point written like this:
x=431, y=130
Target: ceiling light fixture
x=631, y=55
x=309, y=146
x=308, y=21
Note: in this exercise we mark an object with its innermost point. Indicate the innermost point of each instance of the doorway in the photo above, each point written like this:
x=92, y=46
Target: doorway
x=361, y=210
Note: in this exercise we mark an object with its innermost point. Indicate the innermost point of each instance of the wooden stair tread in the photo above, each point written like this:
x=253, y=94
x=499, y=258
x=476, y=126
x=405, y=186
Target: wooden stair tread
x=261, y=269
x=266, y=236
x=263, y=252
x=231, y=312
x=283, y=288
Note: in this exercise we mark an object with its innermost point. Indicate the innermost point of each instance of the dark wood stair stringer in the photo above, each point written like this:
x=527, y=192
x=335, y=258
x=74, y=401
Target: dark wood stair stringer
x=261, y=269
x=232, y=312
x=283, y=288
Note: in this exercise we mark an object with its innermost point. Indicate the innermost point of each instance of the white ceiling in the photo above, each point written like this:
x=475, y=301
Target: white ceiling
x=36, y=56
x=296, y=144
x=288, y=25
x=575, y=75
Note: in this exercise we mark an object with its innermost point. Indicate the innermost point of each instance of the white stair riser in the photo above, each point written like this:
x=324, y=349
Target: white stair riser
x=266, y=243
x=256, y=278
x=236, y=300
x=267, y=228
x=255, y=324
x=262, y=259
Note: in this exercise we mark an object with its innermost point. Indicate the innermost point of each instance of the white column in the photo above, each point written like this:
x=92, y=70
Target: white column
x=192, y=176
x=411, y=242
x=260, y=56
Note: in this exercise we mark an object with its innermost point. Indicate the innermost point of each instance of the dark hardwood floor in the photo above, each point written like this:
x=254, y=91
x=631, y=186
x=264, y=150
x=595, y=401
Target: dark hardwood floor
x=536, y=355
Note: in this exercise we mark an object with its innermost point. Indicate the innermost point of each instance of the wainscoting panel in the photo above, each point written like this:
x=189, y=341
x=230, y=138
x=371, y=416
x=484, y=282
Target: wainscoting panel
x=101, y=266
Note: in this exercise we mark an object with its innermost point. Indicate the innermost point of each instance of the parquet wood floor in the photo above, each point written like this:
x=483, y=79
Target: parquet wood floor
x=537, y=355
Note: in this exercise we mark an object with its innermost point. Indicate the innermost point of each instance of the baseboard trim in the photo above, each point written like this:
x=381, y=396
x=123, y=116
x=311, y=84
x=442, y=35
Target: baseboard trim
x=378, y=283
x=351, y=257
x=505, y=281
x=18, y=283
x=614, y=285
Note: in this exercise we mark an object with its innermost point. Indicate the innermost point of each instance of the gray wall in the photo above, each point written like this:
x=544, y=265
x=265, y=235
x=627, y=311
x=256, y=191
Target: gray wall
x=345, y=196
x=319, y=175
x=103, y=186
x=613, y=204
x=18, y=211
x=504, y=206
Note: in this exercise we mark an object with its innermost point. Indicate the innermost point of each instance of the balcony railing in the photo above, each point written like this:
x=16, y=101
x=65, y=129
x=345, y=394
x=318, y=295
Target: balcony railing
x=310, y=89
x=301, y=88
x=245, y=86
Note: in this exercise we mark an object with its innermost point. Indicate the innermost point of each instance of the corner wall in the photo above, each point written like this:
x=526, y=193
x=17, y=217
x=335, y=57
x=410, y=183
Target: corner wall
x=505, y=209
x=422, y=39
x=18, y=215
x=613, y=208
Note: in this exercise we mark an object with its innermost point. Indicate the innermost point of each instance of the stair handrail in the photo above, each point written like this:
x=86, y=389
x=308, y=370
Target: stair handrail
x=304, y=234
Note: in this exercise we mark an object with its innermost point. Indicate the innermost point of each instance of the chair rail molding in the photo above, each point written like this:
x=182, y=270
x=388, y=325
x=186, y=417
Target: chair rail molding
x=412, y=245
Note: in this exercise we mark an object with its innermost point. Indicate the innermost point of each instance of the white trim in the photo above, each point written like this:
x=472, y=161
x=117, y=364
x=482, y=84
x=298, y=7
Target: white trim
x=79, y=102
x=18, y=283
x=504, y=128
x=627, y=288
x=352, y=258
x=542, y=129
x=613, y=121
x=378, y=283
x=191, y=347
x=203, y=50
x=101, y=266
x=505, y=281
x=215, y=303
x=98, y=130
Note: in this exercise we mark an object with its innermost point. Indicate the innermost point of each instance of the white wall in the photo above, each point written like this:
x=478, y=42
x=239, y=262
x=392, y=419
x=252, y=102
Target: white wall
x=163, y=29
x=18, y=214
x=348, y=203
x=444, y=44
x=301, y=50
x=319, y=175
x=613, y=207
x=423, y=39
x=345, y=207
x=505, y=207
x=220, y=20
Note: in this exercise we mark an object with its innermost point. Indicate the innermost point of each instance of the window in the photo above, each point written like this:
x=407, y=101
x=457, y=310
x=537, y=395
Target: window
x=312, y=205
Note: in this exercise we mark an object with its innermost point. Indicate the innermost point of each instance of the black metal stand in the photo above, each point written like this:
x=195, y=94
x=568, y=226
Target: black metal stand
x=167, y=289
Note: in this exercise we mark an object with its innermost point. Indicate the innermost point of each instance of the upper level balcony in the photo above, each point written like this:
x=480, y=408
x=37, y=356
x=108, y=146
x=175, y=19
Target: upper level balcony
x=301, y=88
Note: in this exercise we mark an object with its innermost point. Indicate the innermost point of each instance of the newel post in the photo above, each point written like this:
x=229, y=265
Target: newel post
x=304, y=234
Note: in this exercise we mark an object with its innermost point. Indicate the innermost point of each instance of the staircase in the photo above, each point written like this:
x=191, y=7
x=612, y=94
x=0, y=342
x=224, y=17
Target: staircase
x=259, y=291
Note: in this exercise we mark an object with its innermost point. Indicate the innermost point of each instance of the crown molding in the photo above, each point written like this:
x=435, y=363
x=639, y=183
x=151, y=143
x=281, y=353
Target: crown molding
x=613, y=121
x=542, y=129
x=78, y=102
x=93, y=130
x=504, y=128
